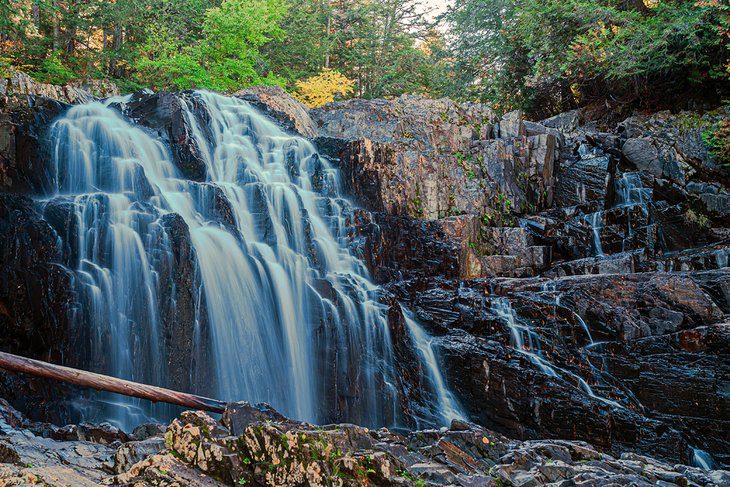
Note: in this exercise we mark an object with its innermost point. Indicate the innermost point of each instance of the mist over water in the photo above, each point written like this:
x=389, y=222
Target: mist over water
x=293, y=318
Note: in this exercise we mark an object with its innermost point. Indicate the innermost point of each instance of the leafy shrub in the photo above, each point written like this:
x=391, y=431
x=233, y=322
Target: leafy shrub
x=225, y=59
x=54, y=71
x=717, y=138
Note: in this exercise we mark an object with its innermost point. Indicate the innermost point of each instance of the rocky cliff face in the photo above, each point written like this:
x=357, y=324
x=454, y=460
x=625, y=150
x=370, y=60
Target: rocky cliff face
x=574, y=277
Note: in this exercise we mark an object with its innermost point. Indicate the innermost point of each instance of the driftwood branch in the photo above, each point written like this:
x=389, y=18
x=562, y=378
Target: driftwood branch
x=105, y=383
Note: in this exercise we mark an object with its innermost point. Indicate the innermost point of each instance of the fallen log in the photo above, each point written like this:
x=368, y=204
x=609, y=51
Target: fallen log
x=106, y=383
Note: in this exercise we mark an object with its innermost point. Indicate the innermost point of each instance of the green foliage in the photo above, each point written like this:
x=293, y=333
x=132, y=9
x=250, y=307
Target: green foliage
x=54, y=71
x=224, y=59
x=556, y=54
x=717, y=138
x=385, y=46
x=6, y=67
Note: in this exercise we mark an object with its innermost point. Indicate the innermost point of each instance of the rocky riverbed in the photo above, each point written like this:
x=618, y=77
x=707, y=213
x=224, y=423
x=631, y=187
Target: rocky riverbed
x=257, y=446
x=572, y=272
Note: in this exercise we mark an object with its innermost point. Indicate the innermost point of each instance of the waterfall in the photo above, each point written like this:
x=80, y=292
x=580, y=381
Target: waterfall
x=631, y=191
x=520, y=331
x=702, y=459
x=293, y=318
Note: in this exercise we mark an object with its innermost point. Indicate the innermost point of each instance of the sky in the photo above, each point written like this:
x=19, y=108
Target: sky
x=438, y=6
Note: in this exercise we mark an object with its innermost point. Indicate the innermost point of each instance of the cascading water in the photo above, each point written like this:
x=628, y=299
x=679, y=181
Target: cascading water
x=526, y=341
x=448, y=407
x=293, y=318
x=595, y=222
x=631, y=191
x=702, y=459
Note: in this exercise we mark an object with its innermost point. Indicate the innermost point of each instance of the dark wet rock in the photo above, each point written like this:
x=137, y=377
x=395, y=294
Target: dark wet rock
x=165, y=113
x=103, y=433
x=186, y=335
x=645, y=325
x=35, y=290
x=583, y=180
x=401, y=248
x=147, y=431
x=25, y=161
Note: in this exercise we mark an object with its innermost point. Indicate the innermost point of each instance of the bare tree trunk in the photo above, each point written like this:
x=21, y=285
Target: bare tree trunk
x=329, y=32
x=117, y=42
x=105, y=383
x=56, y=28
x=36, y=15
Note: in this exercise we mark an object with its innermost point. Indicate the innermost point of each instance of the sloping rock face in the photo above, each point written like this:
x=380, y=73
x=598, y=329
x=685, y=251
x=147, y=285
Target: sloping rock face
x=435, y=158
x=18, y=83
x=258, y=446
x=282, y=107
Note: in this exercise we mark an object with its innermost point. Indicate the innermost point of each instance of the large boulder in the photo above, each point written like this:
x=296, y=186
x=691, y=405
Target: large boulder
x=275, y=102
x=25, y=161
x=647, y=154
x=166, y=114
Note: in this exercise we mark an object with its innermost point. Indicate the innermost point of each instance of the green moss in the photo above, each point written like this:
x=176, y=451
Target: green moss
x=693, y=218
x=417, y=203
x=717, y=138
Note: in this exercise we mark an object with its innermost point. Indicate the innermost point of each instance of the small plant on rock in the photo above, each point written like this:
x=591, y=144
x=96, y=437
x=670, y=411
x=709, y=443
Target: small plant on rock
x=717, y=138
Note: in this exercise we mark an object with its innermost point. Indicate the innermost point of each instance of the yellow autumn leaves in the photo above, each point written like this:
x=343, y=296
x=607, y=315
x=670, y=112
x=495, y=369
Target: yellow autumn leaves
x=315, y=91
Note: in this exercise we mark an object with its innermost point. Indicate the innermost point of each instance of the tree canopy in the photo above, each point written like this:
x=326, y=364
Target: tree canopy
x=556, y=54
x=540, y=55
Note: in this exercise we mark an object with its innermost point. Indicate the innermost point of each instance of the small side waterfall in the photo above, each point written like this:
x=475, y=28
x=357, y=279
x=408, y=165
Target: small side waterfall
x=631, y=191
x=448, y=407
x=292, y=315
x=702, y=459
x=526, y=341
x=595, y=220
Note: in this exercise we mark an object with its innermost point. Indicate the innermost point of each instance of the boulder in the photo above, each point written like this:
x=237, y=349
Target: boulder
x=647, y=154
x=19, y=83
x=165, y=113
